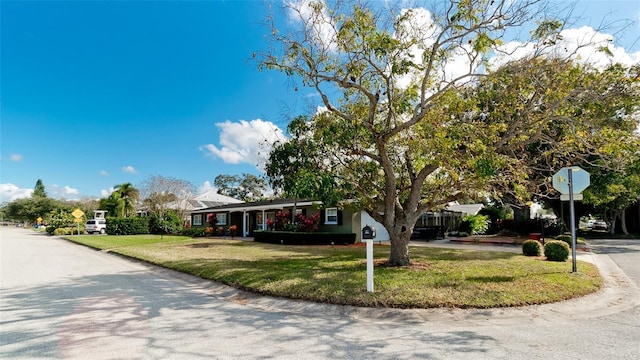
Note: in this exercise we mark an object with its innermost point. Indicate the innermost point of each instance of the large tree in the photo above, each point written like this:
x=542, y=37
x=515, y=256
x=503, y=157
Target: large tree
x=293, y=169
x=247, y=187
x=404, y=124
x=127, y=196
x=38, y=190
x=161, y=193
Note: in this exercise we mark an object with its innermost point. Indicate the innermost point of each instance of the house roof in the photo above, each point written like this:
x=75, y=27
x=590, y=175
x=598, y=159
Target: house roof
x=212, y=199
x=469, y=209
x=273, y=204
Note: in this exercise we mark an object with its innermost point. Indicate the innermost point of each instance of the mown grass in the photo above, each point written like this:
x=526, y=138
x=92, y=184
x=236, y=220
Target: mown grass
x=337, y=274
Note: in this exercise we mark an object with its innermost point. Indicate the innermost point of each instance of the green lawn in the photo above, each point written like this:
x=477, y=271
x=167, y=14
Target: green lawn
x=337, y=274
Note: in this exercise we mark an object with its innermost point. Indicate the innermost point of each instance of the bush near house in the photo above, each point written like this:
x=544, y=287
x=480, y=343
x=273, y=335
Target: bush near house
x=128, y=226
x=169, y=223
x=556, y=250
x=474, y=224
x=531, y=248
x=567, y=239
x=193, y=232
x=69, y=230
x=301, y=223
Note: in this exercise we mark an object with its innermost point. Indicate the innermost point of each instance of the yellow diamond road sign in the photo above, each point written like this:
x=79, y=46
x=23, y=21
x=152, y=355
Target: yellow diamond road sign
x=77, y=213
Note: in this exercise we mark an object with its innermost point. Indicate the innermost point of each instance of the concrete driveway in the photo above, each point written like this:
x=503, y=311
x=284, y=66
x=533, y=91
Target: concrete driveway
x=60, y=300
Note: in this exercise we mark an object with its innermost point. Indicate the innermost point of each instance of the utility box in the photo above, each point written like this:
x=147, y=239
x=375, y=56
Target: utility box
x=368, y=232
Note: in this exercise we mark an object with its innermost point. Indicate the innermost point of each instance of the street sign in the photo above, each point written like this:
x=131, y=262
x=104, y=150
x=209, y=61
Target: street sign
x=77, y=213
x=581, y=180
x=570, y=181
x=566, y=197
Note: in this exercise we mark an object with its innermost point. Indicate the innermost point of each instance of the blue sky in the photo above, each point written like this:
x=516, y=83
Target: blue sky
x=95, y=94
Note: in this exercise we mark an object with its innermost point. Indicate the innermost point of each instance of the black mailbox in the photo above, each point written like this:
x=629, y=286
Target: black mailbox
x=368, y=232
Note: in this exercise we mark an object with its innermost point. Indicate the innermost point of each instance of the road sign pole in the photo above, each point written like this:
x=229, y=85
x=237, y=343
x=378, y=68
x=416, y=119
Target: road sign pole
x=573, y=220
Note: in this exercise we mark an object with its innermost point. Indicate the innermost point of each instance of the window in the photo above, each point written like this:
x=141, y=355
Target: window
x=222, y=219
x=331, y=216
x=259, y=220
x=197, y=219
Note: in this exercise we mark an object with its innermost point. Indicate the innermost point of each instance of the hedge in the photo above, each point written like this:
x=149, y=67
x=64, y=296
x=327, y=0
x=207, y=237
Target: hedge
x=128, y=226
x=304, y=238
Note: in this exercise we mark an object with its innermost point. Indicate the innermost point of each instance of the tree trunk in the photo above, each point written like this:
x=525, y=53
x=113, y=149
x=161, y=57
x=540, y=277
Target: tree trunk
x=623, y=221
x=399, y=254
x=614, y=218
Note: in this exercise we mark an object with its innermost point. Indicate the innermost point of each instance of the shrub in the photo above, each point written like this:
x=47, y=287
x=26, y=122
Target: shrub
x=282, y=222
x=69, y=230
x=128, y=226
x=556, y=250
x=531, y=248
x=567, y=239
x=170, y=223
x=474, y=224
x=60, y=218
x=564, y=238
x=193, y=232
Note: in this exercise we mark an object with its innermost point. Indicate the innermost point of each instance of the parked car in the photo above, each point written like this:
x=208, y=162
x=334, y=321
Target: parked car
x=96, y=226
x=600, y=225
x=590, y=223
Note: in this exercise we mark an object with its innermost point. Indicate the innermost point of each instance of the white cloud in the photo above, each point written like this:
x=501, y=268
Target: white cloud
x=10, y=192
x=106, y=193
x=104, y=173
x=15, y=157
x=65, y=192
x=206, y=187
x=244, y=142
x=129, y=169
x=582, y=45
x=320, y=26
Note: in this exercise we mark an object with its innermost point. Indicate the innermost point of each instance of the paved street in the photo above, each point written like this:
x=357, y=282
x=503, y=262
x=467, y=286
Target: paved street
x=61, y=300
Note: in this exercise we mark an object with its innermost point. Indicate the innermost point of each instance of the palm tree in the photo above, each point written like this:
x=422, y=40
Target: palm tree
x=129, y=195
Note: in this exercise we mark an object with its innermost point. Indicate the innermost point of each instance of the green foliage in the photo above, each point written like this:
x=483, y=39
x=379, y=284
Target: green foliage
x=295, y=167
x=475, y=224
x=247, y=187
x=407, y=139
x=59, y=219
x=300, y=223
x=128, y=226
x=531, y=248
x=556, y=250
x=69, y=230
x=193, y=232
x=30, y=209
x=170, y=223
x=39, y=190
x=567, y=239
x=125, y=196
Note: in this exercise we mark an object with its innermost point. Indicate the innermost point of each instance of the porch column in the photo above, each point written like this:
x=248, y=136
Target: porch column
x=244, y=223
x=264, y=220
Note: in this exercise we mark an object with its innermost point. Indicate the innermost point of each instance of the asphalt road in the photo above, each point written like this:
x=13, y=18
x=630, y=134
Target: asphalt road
x=61, y=300
x=625, y=253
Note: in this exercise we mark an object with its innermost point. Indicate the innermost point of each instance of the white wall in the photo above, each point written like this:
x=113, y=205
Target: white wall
x=381, y=233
